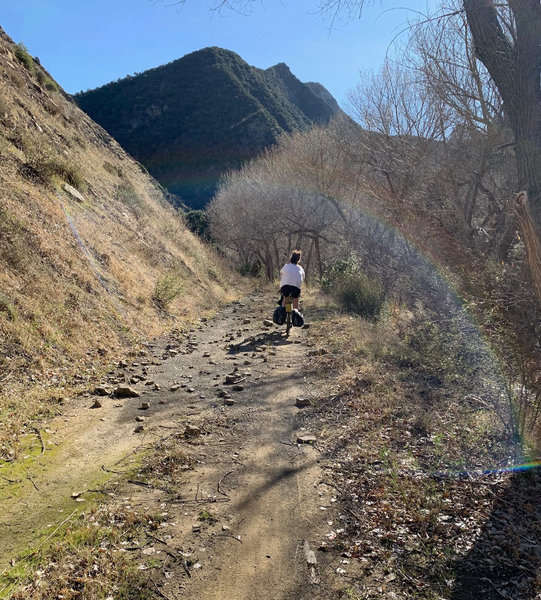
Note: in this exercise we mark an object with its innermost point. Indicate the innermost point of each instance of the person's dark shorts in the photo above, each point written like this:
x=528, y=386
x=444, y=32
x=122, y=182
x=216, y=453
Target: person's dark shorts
x=290, y=290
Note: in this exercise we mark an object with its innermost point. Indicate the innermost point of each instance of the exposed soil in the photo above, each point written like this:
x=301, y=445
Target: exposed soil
x=264, y=506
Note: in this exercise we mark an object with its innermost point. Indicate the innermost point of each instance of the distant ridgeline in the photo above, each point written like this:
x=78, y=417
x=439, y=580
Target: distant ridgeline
x=197, y=117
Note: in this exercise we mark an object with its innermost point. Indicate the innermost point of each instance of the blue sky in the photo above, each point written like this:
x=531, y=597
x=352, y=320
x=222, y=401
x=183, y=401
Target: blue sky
x=87, y=43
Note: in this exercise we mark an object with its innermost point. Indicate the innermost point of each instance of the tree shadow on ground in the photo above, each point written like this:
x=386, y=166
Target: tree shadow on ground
x=505, y=560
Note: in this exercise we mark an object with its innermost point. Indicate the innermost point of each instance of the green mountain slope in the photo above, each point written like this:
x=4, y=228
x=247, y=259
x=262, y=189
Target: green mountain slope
x=193, y=119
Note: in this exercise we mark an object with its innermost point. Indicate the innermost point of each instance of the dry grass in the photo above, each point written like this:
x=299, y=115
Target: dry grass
x=408, y=453
x=78, y=277
x=89, y=560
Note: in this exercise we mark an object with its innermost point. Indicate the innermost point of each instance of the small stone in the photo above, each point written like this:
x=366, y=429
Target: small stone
x=229, y=401
x=237, y=388
x=139, y=429
x=267, y=323
x=191, y=390
x=97, y=404
x=196, y=528
x=122, y=364
x=175, y=387
x=246, y=321
x=139, y=419
x=301, y=402
x=145, y=405
x=306, y=439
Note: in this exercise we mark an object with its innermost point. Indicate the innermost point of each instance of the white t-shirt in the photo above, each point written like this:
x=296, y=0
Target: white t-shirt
x=292, y=275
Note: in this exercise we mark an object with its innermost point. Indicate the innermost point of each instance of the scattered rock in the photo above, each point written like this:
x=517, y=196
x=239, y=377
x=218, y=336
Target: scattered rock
x=102, y=390
x=317, y=352
x=175, y=387
x=76, y=494
x=237, y=388
x=306, y=326
x=301, y=402
x=306, y=439
x=139, y=419
x=267, y=323
x=122, y=364
x=145, y=405
x=192, y=431
x=126, y=392
x=97, y=404
x=229, y=401
x=139, y=429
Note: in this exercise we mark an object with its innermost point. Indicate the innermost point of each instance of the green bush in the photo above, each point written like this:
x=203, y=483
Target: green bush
x=46, y=81
x=167, y=288
x=21, y=54
x=355, y=291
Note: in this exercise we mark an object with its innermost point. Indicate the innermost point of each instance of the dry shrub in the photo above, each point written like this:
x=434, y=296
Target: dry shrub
x=168, y=286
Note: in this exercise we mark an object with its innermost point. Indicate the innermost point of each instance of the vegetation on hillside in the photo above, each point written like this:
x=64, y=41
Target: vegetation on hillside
x=193, y=119
x=93, y=259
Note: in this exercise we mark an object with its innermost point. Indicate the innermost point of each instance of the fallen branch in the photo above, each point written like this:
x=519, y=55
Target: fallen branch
x=37, y=431
x=158, y=589
x=32, y=482
x=219, y=482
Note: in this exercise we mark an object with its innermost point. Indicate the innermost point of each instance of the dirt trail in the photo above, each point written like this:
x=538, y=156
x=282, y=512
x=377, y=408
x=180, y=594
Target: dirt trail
x=268, y=518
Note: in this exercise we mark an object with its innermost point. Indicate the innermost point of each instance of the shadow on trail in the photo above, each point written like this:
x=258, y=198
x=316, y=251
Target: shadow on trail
x=505, y=561
x=249, y=344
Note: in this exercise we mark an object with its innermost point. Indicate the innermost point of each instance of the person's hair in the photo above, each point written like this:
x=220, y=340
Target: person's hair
x=295, y=256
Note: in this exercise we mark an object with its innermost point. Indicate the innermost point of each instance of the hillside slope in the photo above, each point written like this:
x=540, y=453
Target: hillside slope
x=193, y=119
x=92, y=256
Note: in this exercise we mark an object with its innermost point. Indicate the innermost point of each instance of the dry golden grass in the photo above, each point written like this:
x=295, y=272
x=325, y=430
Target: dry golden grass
x=78, y=276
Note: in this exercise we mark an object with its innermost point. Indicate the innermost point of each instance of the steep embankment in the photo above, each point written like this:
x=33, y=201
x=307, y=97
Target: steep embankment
x=92, y=256
x=199, y=116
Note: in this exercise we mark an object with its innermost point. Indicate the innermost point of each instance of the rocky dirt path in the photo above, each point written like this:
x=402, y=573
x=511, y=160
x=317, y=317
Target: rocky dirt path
x=231, y=385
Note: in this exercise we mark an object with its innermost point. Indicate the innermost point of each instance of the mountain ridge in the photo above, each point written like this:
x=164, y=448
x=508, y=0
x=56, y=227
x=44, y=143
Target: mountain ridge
x=197, y=117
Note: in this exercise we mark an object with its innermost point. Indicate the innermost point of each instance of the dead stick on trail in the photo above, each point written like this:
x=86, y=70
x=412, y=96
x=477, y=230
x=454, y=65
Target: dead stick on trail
x=37, y=431
x=219, y=482
x=32, y=482
x=158, y=589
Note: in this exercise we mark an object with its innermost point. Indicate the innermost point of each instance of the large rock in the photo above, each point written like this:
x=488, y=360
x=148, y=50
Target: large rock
x=123, y=391
x=75, y=194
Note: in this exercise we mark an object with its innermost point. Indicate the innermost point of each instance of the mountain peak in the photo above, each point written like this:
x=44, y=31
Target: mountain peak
x=193, y=119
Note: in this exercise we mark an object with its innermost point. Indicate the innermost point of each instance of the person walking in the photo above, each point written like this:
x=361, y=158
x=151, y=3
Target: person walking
x=292, y=276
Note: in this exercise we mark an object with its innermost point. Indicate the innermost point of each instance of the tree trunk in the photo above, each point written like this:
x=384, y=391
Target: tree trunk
x=531, y=240
x=309, y=258
x=515, y=69
x=318, y=257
